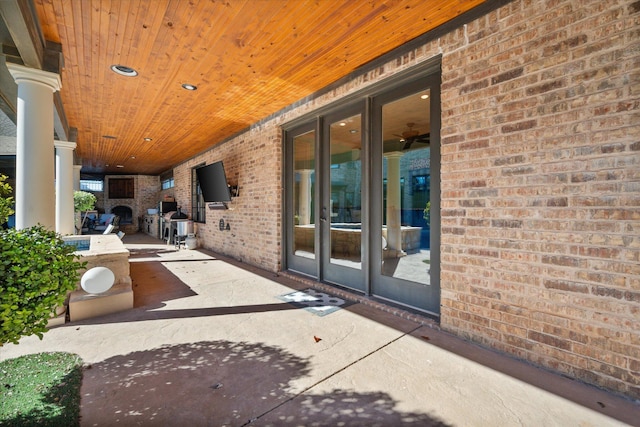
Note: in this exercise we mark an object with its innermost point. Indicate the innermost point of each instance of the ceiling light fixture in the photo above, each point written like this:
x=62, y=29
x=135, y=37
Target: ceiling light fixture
x=148, y=139
x=119, y=166
x=109, y=137
x=188, y=86
x=123, y=70
x=424, y=96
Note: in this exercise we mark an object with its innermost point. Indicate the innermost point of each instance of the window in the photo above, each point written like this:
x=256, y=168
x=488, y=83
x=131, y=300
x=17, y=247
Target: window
x=166, y=180
x=198, y=206
x=91, y=185
x=167, y=183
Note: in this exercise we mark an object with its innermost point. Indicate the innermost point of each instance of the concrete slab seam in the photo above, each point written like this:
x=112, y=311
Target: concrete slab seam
x=331, y=375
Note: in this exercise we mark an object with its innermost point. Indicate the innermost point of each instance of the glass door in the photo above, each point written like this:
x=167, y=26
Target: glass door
x=405, y=196
x=300, y=209
x=362, y=201
x=341, y=216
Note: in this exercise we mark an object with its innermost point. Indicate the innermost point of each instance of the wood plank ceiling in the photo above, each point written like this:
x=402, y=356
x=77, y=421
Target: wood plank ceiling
x=248, y=59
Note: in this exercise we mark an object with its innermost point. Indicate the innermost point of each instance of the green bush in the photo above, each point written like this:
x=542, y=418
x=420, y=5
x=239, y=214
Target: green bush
x=38, y=270
x=6, y=203
x=427, y=213
x=83, y=201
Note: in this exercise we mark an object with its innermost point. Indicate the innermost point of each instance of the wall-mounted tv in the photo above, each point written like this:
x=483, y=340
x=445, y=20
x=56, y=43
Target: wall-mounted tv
x=213, y=182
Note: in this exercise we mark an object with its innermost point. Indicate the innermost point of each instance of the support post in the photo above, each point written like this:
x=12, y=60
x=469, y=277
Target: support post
x=35, y=200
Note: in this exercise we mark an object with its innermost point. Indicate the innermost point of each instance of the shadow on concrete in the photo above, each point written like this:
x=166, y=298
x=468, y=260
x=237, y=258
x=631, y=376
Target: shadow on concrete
x=614, y=406
x=153, y=285
x=220, y=383
x=148, y=252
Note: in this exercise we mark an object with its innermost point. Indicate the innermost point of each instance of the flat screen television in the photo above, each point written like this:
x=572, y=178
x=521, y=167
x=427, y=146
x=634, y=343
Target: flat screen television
x=213, y=182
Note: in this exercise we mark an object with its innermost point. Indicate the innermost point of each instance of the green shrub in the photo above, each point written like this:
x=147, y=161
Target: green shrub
x=83, y=201
x=6, y=203
x=427, y=213
x=37, y=271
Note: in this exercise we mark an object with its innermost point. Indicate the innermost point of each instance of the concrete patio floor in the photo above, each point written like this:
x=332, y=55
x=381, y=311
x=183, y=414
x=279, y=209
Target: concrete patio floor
x=212, y=342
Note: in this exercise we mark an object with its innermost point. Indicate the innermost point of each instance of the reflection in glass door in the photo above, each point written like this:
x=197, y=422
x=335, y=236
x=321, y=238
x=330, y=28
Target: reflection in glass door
x=405, y=191
x=304, y=239
x=342, y=203
x=300, y=209
x=405, y=195
x=362, y=201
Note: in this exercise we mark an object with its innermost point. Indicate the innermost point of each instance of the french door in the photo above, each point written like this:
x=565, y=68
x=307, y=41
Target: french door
x=405, y=195
x=324, y=203
x=363, y=195
x=342, y=220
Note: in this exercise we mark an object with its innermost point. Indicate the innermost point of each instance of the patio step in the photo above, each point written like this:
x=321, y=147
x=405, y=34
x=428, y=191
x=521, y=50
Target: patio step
x=85, y=306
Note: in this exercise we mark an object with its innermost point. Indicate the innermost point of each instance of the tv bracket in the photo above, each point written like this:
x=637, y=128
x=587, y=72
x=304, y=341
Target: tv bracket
x=233, y=190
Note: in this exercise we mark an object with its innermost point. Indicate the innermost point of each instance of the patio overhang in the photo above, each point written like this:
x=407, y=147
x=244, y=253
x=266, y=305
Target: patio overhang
x=247, y=59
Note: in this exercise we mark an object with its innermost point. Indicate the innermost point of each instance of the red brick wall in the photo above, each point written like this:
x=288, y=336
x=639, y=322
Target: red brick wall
x=541, y=187
x=253, y=163
x=540, y=184
x=145, y=196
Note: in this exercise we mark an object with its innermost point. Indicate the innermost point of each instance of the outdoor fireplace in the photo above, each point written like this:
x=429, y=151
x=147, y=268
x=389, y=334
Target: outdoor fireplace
x=124, y=212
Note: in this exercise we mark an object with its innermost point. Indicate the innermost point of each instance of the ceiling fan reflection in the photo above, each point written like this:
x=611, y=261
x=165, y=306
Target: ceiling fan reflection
x=412, y=135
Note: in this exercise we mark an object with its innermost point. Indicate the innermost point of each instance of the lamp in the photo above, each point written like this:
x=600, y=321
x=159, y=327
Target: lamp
x=97, y=280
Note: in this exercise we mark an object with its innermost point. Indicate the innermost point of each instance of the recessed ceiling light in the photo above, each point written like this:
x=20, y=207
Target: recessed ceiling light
x=343, y=124
x=188, y=86
x=119, y=166
x=353, y=131
x=133, y=157
x=424, y=96
x=148, y=139
x=123, y=70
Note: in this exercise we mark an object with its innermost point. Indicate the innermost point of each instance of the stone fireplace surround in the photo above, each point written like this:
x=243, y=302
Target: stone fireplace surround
x=124, y=212
x=146, y=189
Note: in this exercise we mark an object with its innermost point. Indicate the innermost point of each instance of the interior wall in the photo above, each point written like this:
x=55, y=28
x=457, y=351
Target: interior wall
x=540, y=184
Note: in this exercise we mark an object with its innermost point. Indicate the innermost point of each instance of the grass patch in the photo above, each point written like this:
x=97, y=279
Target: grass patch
x=41, y=390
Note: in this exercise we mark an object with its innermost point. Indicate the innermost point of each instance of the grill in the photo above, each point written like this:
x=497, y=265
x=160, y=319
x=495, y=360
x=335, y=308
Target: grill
x=174, y=223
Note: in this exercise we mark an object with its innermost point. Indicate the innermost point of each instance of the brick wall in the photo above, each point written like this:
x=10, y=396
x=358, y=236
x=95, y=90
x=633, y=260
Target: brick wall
x=540, y=184
x=145, y=196
x=253, y=163
x=541, y=187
